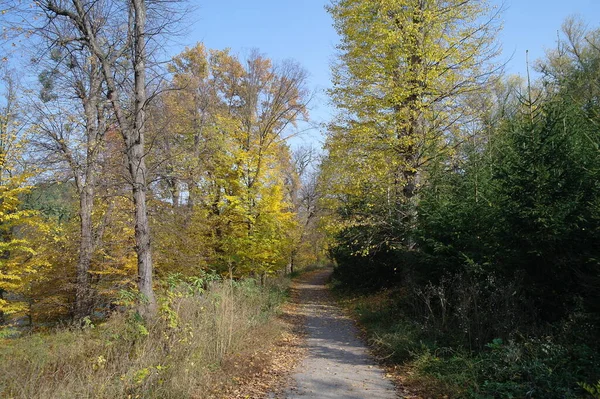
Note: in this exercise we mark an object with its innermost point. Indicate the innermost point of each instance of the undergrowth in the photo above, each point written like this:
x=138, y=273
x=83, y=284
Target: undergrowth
x=209, y=335
x=562, y=362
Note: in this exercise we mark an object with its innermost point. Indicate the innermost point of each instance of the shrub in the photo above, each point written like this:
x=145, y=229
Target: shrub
x=556, y=363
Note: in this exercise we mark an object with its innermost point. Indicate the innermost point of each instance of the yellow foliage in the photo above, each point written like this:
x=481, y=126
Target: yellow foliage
x=405, y=72
x=23, y=234
x=227, y=117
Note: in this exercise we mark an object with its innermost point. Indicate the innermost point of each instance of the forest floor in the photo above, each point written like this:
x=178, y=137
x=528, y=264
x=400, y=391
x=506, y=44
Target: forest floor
x=337, y=363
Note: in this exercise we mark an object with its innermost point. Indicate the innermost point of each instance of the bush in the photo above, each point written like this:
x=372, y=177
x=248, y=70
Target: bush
x=555, y=363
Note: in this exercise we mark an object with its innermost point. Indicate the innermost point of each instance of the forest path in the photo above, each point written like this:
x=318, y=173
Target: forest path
x=338, y=364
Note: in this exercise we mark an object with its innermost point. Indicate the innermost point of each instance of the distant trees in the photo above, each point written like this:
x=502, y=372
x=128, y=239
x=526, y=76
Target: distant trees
x=227, y=161
x=309, y=244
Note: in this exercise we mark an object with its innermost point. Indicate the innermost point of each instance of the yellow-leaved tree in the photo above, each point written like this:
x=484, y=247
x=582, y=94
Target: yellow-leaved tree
x=20, y=258
x=404, y=73
x=223, y=167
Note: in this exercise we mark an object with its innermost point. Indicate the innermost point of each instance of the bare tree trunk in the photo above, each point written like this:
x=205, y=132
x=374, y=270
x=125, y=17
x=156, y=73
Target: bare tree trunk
x=137, y=164
x=137, y=169
x=83, y=292
x=292, y=262
x=173, y=183
x=86, y=185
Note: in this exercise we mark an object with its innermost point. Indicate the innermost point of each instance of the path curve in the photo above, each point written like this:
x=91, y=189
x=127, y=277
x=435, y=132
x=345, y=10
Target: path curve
x=338, y=364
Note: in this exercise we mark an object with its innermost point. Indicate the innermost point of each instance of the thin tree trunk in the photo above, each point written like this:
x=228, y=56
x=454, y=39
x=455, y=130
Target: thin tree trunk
x=137, y=169
x=2, y=317
x=174, y=189
x=86, y=186
x=292, y=263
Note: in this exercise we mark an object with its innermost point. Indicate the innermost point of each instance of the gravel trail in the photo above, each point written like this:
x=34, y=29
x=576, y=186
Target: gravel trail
x=338, y=364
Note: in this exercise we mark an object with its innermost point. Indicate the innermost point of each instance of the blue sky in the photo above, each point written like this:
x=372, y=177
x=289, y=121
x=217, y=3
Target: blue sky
x=302, y=30
x=533, y=24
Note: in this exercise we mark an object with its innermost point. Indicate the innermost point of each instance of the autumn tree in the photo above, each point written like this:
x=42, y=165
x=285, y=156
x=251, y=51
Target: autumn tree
x=228, y=120
x=20, y=260
x=404, y=72
x=301, y=183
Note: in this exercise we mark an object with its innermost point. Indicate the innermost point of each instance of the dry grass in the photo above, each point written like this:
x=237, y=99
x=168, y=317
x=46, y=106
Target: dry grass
x=201, y=346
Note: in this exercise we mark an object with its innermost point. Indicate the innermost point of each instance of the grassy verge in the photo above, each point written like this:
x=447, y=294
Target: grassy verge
x=203, y=342
x=552, y=366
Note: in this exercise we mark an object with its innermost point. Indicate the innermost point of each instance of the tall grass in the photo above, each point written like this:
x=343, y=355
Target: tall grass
x=202, y=342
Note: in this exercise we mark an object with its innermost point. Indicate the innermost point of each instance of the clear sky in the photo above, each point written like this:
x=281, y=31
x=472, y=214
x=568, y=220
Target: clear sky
x=302, y=30
x=533, y=24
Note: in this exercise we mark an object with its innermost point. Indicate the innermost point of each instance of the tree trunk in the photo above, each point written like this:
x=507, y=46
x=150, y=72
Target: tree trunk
x=2, y=317
x=292, y=263
x=137, y=164
x=174, y=189
x=137, y=168
x=83, y=292
x=86, y=187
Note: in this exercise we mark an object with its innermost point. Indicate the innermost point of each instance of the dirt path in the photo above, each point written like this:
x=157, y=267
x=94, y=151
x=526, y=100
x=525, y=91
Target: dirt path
x=338, y=364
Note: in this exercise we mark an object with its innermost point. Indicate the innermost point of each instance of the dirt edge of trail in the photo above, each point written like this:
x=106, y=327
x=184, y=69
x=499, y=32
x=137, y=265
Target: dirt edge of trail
x=283, y=356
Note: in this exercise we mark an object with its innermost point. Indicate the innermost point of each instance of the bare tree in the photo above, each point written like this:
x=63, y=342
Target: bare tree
x=70, y=132
x=302, y=189
x=117, y=33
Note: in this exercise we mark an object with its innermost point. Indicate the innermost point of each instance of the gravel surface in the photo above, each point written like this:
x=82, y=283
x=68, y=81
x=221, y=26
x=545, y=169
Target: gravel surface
x=338, y=364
